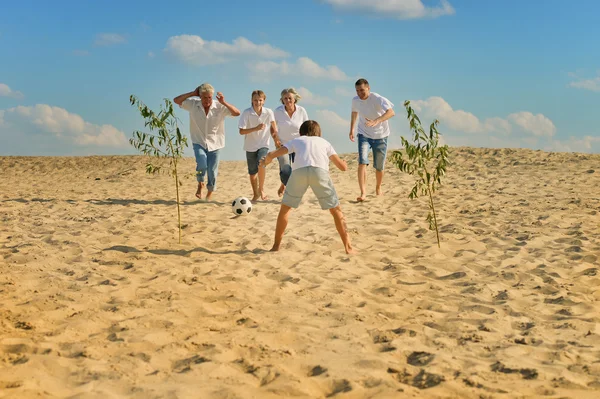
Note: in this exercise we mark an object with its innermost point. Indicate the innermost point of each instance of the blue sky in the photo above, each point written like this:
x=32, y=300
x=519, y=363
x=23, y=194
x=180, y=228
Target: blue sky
x=508, y=73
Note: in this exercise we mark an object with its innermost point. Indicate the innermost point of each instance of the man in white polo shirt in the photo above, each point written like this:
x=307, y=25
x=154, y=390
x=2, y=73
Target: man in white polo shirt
x=372, y=112
x=207, y=130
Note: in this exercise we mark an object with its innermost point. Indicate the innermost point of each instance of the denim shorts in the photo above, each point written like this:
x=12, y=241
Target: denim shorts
x=253, y=159
x=318, y=180
x=379, y=147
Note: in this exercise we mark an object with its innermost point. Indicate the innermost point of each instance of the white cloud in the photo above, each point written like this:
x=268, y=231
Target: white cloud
x=400, y=9
x=538, y=124
x=575, y=144
x=109, y=39
x=304, y=66
x=6, y=91
x=466, y=122
x=194, y=50
x=344, y=92
x=455, y=119
x=327, y=117
x=63, y=125
x=497, y=125
x=585, y=84
x=313, y=99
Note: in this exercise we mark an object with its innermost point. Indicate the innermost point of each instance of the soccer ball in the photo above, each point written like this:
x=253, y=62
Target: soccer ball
x=241, y=206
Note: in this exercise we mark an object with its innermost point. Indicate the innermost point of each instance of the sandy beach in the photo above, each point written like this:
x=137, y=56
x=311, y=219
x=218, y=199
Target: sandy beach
x=98, y=299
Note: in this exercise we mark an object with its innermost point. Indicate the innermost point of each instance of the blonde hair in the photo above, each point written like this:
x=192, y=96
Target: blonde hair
x=206, y=88
x=259, y=93
x=291, y=91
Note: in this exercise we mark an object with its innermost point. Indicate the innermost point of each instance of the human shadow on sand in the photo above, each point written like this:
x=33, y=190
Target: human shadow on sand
x=116, y=201
x=133, y=201
x=184, y=252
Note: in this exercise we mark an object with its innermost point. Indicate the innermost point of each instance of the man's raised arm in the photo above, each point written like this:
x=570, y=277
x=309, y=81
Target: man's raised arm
x=182, y=97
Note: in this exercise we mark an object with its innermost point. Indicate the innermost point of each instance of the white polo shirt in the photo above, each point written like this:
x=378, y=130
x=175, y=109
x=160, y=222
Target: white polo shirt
x=288, y=128
x=262, y=138
x=372, y=108
x=207, y=130
x=310, y=151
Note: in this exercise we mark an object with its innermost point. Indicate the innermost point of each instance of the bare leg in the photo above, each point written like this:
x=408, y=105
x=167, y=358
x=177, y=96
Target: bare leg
x=340, y=225
x=254, y=184
x=282, y=221
x=379, y=178
x=281, y=190
x=262, y=172
x=199, y=190
x=362, y=181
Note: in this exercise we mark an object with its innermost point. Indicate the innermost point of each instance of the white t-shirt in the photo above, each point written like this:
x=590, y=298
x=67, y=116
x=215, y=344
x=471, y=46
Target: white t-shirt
x=310, y=151
x=206, y=130
x=372, y=108
x=289, y=127
x=262, y=138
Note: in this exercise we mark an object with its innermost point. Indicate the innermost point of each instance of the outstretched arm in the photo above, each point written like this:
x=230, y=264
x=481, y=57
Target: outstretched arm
x=182, y=97
x=339, y=162
x=281, y=151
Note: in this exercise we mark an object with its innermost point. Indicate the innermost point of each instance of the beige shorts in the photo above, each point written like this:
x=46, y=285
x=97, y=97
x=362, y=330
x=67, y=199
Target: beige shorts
x=318, y=180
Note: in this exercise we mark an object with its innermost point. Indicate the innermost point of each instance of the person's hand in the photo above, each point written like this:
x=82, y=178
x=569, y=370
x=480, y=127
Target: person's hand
x=264, y=161
x=197, y=91
x=277, y=143
x=221, y=98
x=351, y=135
x=371, y=123
x=259, y=127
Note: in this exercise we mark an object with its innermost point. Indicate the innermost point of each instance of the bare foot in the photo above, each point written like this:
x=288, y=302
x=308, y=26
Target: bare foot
x=208, y=195
x=351, y=251
x=254, y=198
x=361, y=198
x=274, y=249
x=263, y=196
x=378, y=191
x=281, y=190
x=199, y=191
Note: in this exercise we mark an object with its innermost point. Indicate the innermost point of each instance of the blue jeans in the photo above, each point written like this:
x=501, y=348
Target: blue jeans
x=253, y=159
x=207, y=162
x=285, y=167
x=379, y=147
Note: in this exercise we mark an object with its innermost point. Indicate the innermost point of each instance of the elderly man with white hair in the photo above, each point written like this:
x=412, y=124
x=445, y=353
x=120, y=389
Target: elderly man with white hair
x=207, y=130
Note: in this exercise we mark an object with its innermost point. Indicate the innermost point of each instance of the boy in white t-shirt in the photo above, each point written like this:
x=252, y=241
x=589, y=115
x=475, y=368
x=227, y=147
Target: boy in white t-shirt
x=257, y=125
x=310, y=169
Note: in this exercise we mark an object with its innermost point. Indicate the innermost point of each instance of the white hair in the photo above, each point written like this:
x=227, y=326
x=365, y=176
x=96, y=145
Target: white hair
x=291, y=91
x=206, y=88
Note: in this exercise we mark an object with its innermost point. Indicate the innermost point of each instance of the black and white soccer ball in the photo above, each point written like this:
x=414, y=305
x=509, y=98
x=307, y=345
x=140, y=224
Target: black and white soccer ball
x=241, y=206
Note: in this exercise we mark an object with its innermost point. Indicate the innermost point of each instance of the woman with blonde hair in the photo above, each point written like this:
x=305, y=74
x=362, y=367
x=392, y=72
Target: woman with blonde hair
x=289, y=117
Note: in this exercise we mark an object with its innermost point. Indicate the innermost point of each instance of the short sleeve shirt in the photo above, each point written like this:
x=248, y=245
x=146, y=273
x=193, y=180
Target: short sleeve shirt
x=372, y=108
x=289, y=128
x=207, y=130
x=310, y=151
x=262, y=138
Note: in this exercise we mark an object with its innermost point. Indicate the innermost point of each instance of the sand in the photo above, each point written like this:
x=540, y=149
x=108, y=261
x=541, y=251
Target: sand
x=98, y=299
